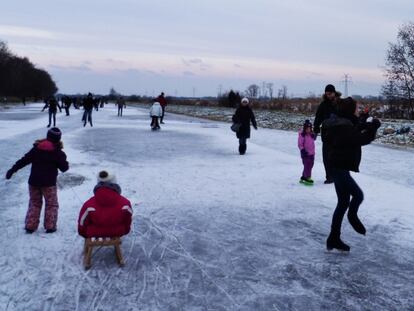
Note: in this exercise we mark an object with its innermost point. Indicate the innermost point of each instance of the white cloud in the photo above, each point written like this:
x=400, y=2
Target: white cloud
x=26, y=32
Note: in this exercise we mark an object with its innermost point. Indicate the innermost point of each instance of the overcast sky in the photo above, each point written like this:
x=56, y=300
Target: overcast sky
x=143, y=47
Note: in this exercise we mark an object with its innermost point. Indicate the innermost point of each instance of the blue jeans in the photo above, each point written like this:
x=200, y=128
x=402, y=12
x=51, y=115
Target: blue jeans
x=52, y=114
x=345, y=187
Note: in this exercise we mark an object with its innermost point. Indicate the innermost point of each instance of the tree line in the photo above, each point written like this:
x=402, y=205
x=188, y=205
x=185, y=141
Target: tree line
x=19, y=77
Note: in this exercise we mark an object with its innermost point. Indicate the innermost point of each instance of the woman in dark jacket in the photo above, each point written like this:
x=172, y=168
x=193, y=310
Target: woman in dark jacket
x=46, y=158
x=243, y=116
x=345, y=136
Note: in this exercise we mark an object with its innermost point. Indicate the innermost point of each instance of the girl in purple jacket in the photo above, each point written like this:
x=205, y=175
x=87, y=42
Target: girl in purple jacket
x=306, y=144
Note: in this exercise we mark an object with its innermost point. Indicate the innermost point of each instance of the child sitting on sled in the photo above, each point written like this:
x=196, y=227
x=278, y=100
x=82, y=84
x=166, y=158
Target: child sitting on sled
x=107, y=213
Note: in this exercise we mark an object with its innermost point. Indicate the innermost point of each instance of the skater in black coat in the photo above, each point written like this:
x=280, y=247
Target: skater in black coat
x=243, y=116
x=88, y=105
x=345, y=136
x=67, y=102
x=53, y=106
x=325, y=109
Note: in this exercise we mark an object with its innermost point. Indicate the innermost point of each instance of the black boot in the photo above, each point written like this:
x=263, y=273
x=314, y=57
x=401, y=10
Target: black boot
x=242, y=149
x=50, y=230
x=356, y=223
x=29, y=231
x=335, y=242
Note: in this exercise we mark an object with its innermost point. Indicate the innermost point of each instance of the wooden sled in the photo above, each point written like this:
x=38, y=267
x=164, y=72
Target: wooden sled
x=90, y=243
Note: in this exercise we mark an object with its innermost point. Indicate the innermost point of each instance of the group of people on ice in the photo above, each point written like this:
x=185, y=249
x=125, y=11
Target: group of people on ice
x=108, y=213
x=343, y=131
x=89, y=103
x=157, y=112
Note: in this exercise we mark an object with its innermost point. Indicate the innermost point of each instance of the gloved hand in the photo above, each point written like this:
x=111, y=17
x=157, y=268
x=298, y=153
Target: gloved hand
x=9, y=174
x=303, y=153
x=376, y=123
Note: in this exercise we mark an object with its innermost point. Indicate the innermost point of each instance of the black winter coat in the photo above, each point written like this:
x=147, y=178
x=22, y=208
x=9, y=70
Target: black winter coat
x=46, y=158
x=88, y=103
x=53, y=106
x=244, y=115
x=345, y=138
x=325, y=110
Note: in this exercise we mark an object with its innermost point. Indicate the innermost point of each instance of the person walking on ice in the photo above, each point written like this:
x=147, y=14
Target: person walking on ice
x=121, y=105
x=241, y=124
x=53, y=106
x=163, y=102
x=46, y=158
x=326, y=108
x=155, y=114
x=88, y=105
x=306, y=144
x=345, y=136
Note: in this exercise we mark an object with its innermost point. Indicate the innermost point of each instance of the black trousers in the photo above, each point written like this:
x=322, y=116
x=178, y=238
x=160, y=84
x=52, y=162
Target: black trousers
x=120, y=110
x=326, y=164
x=349, y=196
x=154, y=123
x=163, y=112
x=87, y=117
x=67, y=110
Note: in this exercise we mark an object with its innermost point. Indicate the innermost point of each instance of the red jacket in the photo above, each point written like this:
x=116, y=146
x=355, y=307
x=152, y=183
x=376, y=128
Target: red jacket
x=107, y=214
x=161, y=99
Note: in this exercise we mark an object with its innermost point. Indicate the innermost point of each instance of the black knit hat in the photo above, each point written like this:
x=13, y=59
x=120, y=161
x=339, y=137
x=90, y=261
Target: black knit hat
x=330, y=88
x=54, y=135
x=307, y=124
x=346, y=107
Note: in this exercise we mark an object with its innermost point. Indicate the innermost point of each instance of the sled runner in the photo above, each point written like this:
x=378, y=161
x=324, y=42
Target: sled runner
x=90, y=243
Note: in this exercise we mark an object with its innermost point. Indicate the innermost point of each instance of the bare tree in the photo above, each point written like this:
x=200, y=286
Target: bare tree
x=270, y=89
x=282, y=92
x=400, y=67
x=252, y=91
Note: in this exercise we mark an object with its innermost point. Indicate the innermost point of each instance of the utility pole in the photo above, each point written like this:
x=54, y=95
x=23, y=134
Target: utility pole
x=347, y=81
x=220, y=88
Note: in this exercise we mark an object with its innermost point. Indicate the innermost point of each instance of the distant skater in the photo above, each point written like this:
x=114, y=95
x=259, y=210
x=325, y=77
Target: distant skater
x=88, y=105
x=242, y=118
x=163, y=102
x=345, y=136
x=306, y=144
x=155, y=114
x=67, y=102
x=53, y=106
x=121, y=105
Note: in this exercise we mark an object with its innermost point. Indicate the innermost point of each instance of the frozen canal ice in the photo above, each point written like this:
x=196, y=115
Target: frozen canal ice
x=212, y=230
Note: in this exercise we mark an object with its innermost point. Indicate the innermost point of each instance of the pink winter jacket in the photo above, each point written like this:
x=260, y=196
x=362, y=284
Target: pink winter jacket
x=307, y=142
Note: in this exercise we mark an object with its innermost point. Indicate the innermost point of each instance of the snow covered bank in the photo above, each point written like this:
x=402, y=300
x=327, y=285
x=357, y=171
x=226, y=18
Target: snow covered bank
x=212, y=230
x=282, y=120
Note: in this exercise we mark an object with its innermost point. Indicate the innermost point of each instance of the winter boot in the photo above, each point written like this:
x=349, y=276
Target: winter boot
x=328, y=181
x=335, y=242
x=29, y=231
x=242, y=149
x=50, y=230
x=356, y=223
x=305, y=181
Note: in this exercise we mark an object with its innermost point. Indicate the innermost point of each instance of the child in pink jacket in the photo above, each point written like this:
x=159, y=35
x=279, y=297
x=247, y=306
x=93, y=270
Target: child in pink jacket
x=306, y=144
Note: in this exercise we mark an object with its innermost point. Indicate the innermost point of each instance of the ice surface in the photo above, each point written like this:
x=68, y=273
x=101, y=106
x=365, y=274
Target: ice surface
x=212, y=230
